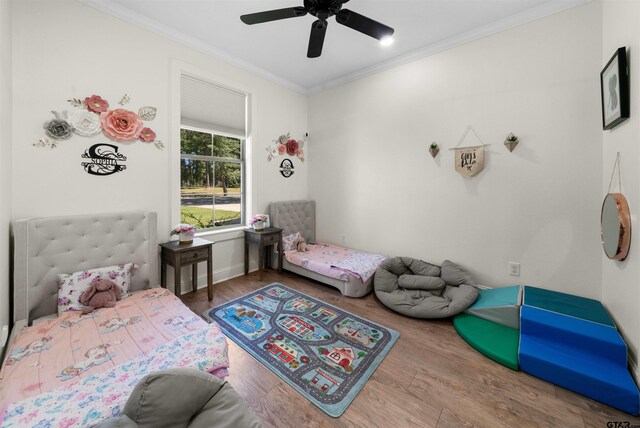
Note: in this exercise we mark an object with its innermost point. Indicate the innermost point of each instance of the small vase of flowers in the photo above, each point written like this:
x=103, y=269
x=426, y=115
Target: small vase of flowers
x=185, y=233
x=258, y=221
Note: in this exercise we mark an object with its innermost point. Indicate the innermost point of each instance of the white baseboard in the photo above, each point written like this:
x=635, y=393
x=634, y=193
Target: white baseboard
x=219, y=275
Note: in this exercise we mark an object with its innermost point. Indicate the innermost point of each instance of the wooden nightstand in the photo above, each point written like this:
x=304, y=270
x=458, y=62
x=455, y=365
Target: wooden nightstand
x=263, y=239
x=179, y=255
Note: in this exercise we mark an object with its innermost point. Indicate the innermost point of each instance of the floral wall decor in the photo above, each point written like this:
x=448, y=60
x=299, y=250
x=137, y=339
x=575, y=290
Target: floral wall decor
x=103, y=159
x=286, y=146
x=92, y=116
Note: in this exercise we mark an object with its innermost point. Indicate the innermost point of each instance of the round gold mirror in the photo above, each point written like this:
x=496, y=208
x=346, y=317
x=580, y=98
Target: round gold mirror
x=616, y=226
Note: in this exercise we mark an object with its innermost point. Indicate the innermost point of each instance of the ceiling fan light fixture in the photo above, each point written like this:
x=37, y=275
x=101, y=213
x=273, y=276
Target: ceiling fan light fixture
x=386, y=41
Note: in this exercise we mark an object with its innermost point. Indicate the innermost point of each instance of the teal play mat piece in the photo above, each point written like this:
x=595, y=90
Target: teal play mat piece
x=494, y=297
x=567, y=304
x=496, y=341
x=500, y=305
x=325, y=353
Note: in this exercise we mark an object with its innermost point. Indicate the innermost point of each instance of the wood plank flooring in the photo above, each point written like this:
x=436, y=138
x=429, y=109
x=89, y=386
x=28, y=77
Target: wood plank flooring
x=431, y=377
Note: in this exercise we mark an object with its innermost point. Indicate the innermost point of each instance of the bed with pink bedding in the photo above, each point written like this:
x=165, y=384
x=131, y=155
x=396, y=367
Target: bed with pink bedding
x=350, y=271
x=74, y=370
x=336, y=262
x=93, y=361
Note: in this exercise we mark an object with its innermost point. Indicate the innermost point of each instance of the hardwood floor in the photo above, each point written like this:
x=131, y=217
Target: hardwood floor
x=431, y=377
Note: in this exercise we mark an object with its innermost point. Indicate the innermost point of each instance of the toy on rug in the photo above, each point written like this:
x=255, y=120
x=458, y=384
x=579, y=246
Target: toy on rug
x=102, y=293
x=301, y=245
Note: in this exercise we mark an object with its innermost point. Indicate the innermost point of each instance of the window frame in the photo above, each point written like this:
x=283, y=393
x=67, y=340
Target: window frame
x=213, y=159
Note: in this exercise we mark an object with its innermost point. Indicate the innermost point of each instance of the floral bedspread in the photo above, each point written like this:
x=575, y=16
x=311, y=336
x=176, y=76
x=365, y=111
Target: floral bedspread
x=336, y=262
x=362, y=265
x=100, y=396
x=73, y=346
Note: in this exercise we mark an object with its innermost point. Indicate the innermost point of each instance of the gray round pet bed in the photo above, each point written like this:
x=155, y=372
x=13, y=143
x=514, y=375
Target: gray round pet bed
x=421, y=290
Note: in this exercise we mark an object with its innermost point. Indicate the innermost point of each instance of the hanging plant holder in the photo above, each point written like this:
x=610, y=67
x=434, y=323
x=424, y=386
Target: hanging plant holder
x=511, y=142
x=434, y=150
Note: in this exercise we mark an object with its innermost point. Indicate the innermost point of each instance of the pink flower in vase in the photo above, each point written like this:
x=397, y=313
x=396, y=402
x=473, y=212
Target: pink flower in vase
x=301, y=154
x=147, y=135
x=121, y=125
x=282, y=149
x=96, y=104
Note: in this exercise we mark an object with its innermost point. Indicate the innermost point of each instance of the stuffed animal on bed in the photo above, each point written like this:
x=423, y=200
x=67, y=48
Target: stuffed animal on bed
x=300, y=245
x=102, y=293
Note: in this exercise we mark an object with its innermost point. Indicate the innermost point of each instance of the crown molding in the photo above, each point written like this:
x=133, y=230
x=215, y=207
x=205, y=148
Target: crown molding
x=530, y=15
x=154, y=26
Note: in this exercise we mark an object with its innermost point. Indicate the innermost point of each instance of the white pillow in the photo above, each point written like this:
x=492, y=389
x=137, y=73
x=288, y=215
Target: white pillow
x=288, y=241
x=71, y=287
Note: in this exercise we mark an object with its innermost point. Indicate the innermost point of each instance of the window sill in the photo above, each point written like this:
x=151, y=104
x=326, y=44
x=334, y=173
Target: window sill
x=222, y=235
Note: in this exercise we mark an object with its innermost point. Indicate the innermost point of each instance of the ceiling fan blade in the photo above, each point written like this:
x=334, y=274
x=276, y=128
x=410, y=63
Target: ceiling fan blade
x=316, y=40
x=363, y=24
x=273, y=15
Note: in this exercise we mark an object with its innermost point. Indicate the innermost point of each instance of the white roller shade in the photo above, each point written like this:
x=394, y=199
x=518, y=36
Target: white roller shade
x=204, y=105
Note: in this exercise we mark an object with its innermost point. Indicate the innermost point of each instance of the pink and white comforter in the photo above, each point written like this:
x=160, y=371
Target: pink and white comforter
x=336, y=262
x=59, y=354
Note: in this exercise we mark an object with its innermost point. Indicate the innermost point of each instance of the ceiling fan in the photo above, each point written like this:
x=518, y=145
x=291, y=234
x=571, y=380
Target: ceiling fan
x=323, y=10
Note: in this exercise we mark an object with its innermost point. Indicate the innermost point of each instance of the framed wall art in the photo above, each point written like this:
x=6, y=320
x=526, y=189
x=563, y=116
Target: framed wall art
x=614, y=86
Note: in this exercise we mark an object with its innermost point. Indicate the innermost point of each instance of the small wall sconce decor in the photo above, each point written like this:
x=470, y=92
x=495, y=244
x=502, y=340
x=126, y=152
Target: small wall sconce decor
x=511, y=141
x=434, y=149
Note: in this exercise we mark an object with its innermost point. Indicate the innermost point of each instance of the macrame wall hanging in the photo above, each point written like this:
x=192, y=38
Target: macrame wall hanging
x=469, y=160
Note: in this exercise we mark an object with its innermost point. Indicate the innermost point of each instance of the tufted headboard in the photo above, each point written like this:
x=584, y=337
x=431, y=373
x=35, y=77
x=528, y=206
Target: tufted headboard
x=46, y=247
x=295, y=216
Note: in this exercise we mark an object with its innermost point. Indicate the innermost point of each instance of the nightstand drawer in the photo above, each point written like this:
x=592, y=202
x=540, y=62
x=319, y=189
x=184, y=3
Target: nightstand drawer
x=193, y=255
x=272, y=238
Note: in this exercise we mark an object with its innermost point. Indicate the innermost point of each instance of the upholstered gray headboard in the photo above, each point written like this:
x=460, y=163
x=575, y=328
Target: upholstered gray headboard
x=48, y=246
x=294, y=216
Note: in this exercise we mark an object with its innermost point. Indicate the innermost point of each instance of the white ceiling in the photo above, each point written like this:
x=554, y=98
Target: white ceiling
x=277, y=50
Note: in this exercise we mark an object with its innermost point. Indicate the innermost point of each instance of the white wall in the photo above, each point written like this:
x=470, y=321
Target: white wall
x=621, y=280
x=64, y=49
x=6, y=109
x=375, y=182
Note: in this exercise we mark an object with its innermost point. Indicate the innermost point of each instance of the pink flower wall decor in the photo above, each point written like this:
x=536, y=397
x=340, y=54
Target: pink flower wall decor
x=91, y=116
x=285, y=145
x=147, y=135
x=96, y=104
x=121, y=124
x=292, y=147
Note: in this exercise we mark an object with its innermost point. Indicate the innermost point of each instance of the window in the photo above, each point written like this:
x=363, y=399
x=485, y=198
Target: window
x=211, y=178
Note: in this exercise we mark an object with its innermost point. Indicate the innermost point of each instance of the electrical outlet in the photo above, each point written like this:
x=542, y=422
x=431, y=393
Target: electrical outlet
x=344, y=239
x=514, y=269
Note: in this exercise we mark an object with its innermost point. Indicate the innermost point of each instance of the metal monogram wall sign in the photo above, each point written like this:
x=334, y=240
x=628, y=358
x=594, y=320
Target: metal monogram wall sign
x=104, y=159
x=286, y=168
x=469, y=160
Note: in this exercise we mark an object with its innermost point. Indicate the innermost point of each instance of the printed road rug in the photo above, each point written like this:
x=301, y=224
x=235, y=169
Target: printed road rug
x=324, y=352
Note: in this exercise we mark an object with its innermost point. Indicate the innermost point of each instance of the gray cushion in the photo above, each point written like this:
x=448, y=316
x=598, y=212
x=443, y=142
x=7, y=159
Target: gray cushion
x=415, y=288
x=184, y=398
x=453, y=274
x=419, y=282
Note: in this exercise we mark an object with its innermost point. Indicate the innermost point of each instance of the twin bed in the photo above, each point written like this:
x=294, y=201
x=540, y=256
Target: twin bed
x=348, y=270
x=74, y=369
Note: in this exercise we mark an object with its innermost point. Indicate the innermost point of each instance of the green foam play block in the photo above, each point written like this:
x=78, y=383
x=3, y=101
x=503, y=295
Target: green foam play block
x=567, y=304
x=496, y=341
